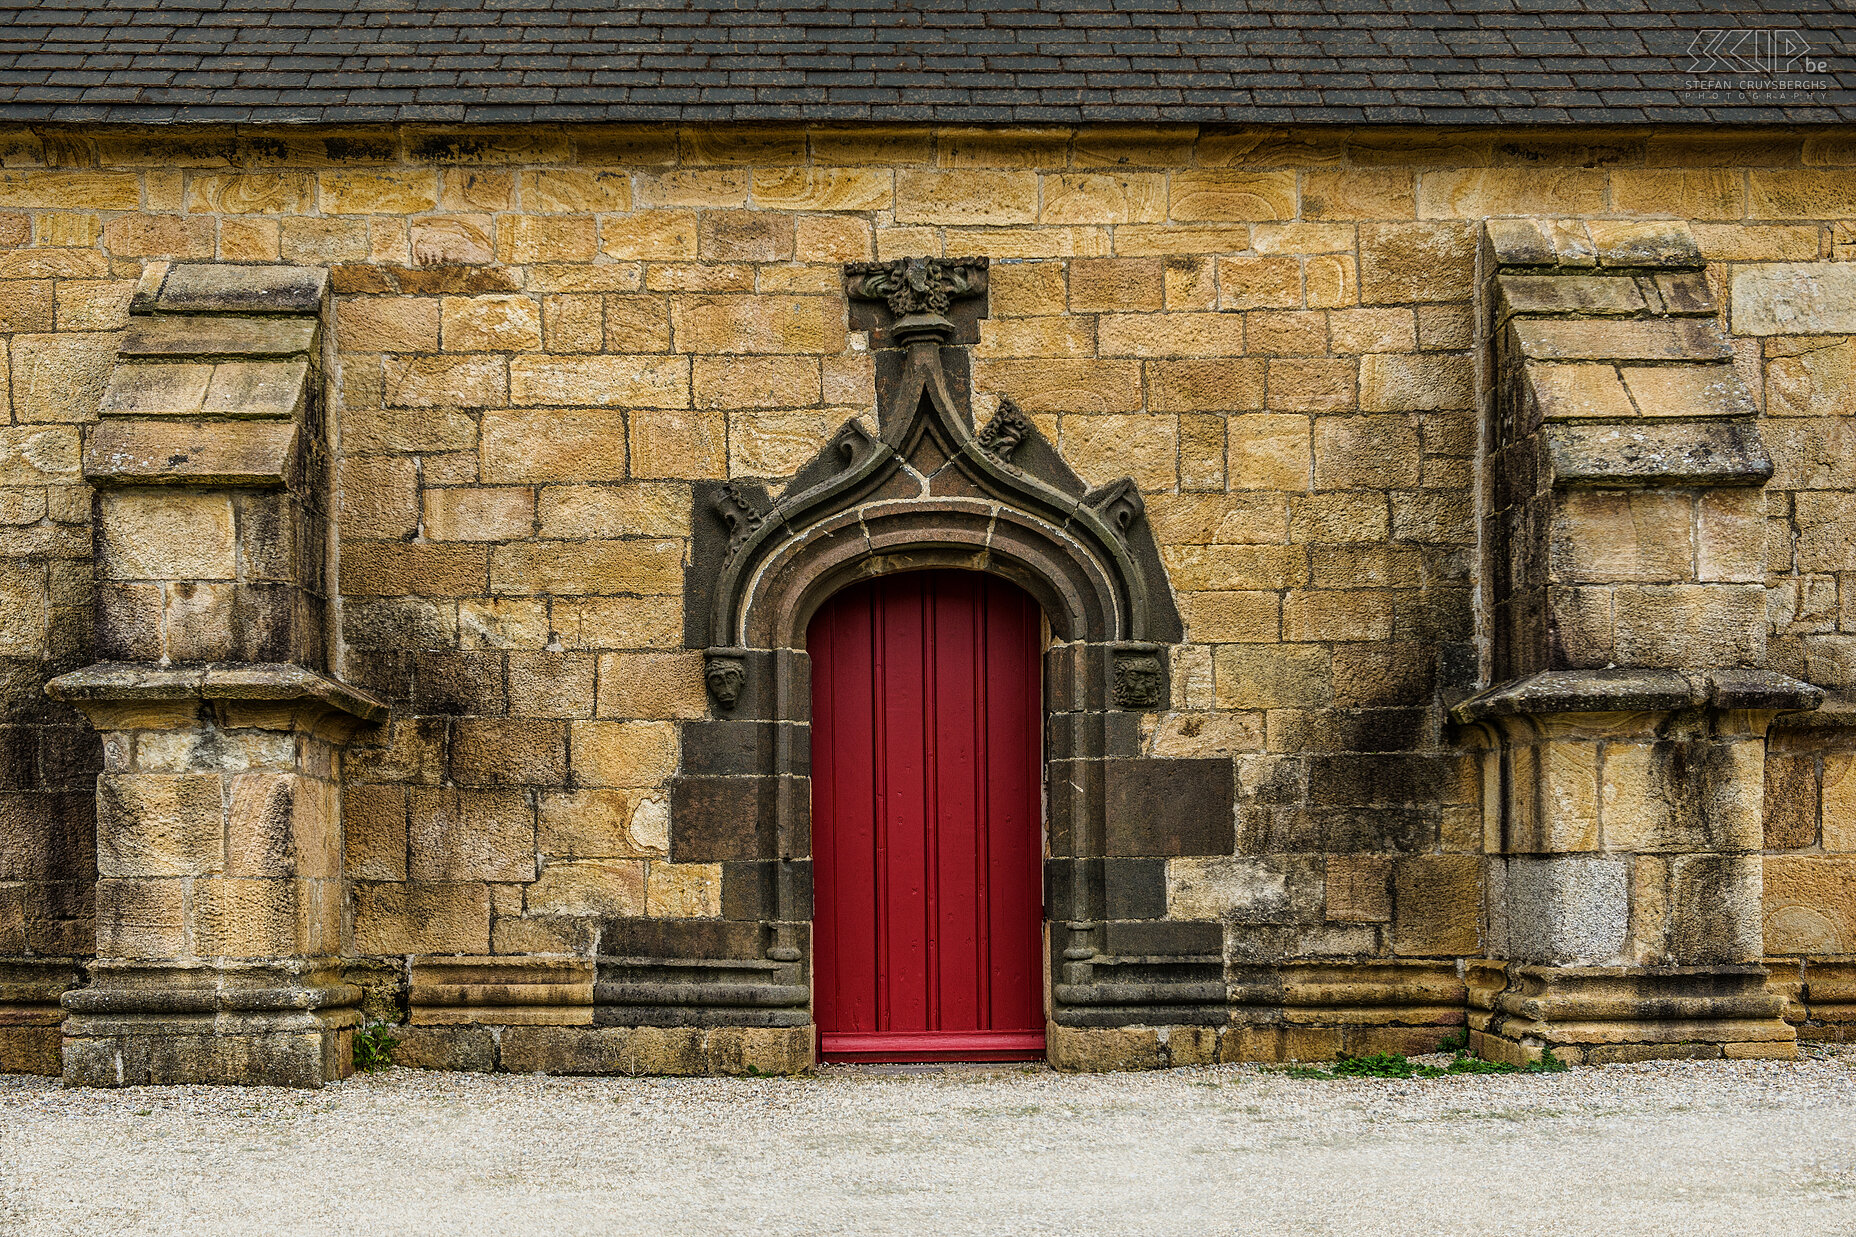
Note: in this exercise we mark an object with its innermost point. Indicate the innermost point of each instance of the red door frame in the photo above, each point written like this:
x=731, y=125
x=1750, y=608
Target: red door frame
x=927, y=820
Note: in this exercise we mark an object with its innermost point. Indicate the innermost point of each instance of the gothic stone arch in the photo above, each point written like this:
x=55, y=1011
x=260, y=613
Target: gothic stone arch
x=926, y=490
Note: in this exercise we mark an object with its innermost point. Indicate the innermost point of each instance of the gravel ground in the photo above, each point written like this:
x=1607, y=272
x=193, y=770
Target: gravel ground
x=1742, y=1148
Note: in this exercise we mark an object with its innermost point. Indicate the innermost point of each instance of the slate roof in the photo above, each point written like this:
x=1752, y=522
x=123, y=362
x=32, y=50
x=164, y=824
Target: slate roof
x=951, y=61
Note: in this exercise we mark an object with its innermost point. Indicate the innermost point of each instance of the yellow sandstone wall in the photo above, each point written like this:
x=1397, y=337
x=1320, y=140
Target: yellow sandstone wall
x=541, y=336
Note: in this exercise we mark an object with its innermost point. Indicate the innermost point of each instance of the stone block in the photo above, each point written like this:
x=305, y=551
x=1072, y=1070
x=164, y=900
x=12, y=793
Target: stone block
x=491, y=324
x=683, y=890
x=1687, y=391
x=1272, y=676
x=1807, y=908
x=1621, y=535
x=638, y=1051
x=1066, y=386
x=1415, y=383
x=1104, y=448
x=574, y=567
x=1714, y=909
x=1401, y=263
x=1242, y=889
x=759, y=324
x=1690, y=625
x=92, y=305
x=471, y=835
x=1359, y=889
x=966, y=197
x=1219, y=196
x=543, y=684
x=60, y=377
x=472, y=381
x=387, y=323
x=1365, y=452
x=1232, y=617
x=394, y=568
x=1098, y=1050
x=422, y=918
x=1633, y=339
x=508, y=752
x=38, y=455
x=1313, y=385
x=756, y=382
x=659, y=235
x=602, y=824
x=523, y=446
x=374, y=834
x=1168, y=807
x=1112, y=285
x=1218, y=385
x=622, y=753
x=1794, y=298
x=27, y=305
x=160, y=825
x=1567, y=910
x=589, y=887
x=236, y=918
x=470, y=513
x=258, y=454
x=1259, y=283
x=629, y=381
x=576, y=190
x=141, y=918
x=715, y=819
x=468, y=1048
x=1437, y=905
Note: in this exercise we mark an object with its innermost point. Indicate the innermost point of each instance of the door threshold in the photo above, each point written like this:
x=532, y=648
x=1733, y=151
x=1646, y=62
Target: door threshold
x=907, y=1046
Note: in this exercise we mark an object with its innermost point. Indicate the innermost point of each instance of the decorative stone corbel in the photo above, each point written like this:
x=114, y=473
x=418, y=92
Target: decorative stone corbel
x=725, y=671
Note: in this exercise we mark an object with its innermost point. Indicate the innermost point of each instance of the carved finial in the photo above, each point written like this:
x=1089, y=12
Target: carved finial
x=918, y=292
x=918, y=285
x=1006, y=430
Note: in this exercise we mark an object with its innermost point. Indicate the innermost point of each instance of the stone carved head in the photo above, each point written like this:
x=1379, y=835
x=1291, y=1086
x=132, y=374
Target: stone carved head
x=726, y=676
x=1137, y=680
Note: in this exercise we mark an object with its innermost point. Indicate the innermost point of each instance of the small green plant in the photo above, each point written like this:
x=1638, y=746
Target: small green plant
x=373, y=1047
x=1398, y=1065
x=1457, y=1042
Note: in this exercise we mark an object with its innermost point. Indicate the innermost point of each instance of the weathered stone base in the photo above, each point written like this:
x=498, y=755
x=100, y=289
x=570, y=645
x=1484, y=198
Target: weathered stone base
x=1820, y=997
x=1601, y=1015
x=30, y=1050
x=284, y=1024
x=629, y=1051
x=1104, y=1049
x=29, y=1013
x=298, y=1051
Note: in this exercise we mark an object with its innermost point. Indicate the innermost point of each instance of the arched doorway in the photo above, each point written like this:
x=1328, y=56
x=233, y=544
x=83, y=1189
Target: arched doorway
x=927, y=708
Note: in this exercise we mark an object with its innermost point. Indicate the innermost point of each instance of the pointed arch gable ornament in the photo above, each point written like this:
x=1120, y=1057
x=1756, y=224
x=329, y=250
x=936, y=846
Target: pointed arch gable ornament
x=924, y=489
x=928, y=490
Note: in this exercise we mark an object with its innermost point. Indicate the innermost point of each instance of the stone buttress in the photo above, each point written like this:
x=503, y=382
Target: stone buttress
x=1625, y=735
x=219, y=838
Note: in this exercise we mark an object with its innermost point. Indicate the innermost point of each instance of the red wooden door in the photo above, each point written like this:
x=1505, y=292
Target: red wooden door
x=926, y=705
